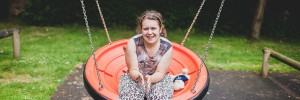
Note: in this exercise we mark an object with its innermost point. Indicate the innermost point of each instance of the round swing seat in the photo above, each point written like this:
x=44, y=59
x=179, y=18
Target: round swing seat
x=111, y=65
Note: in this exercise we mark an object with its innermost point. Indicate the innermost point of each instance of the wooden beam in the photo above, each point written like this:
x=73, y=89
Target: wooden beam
x=6, y=33
x=269, y=52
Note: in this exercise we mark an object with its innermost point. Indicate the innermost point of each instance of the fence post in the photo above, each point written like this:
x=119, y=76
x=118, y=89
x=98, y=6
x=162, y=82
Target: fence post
x=16, y=42
x=269, y=52
x=265, y=64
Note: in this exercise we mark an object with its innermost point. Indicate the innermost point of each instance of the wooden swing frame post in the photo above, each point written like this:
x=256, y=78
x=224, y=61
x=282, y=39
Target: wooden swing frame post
x=16, y=39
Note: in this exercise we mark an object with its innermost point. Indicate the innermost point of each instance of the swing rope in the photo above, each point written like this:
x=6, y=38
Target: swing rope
x=208, y=45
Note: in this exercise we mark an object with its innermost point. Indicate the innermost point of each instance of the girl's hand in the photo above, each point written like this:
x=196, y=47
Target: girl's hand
x=141, y=79
x=149, y=81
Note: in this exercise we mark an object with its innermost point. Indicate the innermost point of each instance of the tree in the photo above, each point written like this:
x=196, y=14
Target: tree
x=258, y=19
x=16, y=7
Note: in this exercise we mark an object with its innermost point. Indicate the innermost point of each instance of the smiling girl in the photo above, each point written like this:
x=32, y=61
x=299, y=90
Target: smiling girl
x=148, y=57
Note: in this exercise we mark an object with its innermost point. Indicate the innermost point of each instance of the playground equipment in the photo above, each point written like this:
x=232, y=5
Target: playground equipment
x=105, y=66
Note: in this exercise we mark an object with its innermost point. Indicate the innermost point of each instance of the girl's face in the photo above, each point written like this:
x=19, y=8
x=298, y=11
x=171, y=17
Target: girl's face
x=151, y=31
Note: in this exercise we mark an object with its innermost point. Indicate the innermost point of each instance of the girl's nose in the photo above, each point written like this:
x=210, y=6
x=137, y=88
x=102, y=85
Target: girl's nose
x=149, y=31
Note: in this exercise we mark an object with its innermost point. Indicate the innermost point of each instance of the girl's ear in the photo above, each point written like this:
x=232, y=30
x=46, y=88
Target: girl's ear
x=161, y=28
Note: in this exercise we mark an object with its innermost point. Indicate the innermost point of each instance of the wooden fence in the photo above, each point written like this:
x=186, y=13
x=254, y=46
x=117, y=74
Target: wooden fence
x=269, y=52
x=16, y=39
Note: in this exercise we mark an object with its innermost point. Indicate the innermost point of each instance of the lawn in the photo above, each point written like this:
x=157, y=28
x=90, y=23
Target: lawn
x=49, y=54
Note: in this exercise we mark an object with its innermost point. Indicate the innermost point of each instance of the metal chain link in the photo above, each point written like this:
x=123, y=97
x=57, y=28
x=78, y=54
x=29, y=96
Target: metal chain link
x=213, y=30
x=103, y=21
x=196, y=80
x=208, y=45
x=194, y=20
x=92, y=45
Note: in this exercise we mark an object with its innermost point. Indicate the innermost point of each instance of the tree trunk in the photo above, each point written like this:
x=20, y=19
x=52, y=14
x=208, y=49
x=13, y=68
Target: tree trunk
x=258, y=19
x=15, y=9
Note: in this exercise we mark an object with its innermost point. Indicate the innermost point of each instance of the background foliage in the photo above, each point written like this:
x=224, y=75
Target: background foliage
x=280, y=19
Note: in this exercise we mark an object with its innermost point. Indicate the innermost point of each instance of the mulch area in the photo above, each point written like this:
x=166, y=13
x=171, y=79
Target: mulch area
x=224, y=85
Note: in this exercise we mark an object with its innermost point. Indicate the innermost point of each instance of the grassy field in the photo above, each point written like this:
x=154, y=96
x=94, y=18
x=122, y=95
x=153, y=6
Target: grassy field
x=49, y=54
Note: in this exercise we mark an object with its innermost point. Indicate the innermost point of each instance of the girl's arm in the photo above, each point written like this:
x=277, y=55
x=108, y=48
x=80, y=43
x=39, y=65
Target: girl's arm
x=162, y=68
x=131, y=61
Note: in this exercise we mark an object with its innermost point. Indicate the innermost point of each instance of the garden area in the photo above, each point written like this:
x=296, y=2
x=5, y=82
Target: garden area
x=51, y=46
x=48, y=54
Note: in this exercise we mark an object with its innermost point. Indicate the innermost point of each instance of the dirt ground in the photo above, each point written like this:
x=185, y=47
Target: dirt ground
x=224, y=85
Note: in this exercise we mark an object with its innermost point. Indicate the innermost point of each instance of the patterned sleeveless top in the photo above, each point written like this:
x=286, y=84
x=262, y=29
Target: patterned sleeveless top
x=147, y=64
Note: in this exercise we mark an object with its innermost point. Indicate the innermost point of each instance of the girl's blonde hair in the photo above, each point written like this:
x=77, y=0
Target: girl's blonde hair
x=151, y=15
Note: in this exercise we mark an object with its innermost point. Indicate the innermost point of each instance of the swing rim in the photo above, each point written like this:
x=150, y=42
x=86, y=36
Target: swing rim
x=93, y=93
x=202, y=90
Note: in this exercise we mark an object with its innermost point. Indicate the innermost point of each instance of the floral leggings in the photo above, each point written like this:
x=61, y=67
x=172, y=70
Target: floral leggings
x=130, y=90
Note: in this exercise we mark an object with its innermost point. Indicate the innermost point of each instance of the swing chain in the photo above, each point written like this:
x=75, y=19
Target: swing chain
x=208, y=45
x=92, y=45
x=194, y=20
x=213, y=30
x=103, y=22
x=196, y=80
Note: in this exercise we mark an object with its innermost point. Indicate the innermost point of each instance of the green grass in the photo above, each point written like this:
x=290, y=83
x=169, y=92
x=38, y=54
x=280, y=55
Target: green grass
x=235, y=53
x=49, y=54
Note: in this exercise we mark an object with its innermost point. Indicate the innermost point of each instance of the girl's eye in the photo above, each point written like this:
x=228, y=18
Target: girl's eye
x=153, y=28
x=145, y=29
x=149, y=28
